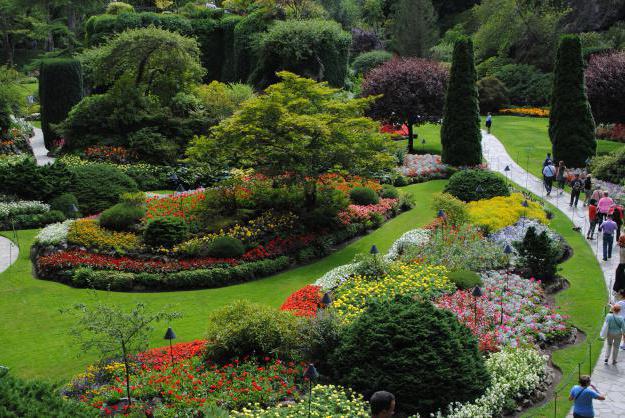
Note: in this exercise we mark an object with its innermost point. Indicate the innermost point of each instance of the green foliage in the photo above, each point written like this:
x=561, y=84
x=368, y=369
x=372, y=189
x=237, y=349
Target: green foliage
x=10, y=97
x=571, y=125
x=209, y=35
x=526, y=84
x=320, y=336
x=165, y=232
x=465, y=279
x=389, y=192
x=328, y=203
x=454, y=208
x=493, y=94
x=119, y=7
x=29, y=221
x=538, y=255
x=23, y=178
x=343, y=11
x=371, y=265
x=244, y=328
x=229, y=65
x=403, y=345
x=152, y=146
x=460, y=133
x=222, y=100
x=64, y=204
x=122, y=217
x=99, y=187
x=60, y=88
x=610, y=167
x=363, y=196
x=225, y=247
x=463, y=185
x=413, y=28
x=368, y=60
x=316, y=49
x=246, y=34
x=21, y=398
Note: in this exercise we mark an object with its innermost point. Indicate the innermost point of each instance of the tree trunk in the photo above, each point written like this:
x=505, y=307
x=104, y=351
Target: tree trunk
x=410, y=138
x=127, y=373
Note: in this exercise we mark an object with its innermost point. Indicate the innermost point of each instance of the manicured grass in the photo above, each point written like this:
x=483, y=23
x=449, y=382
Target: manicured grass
x=35, y=342
x=527, y=140
x=431, y=133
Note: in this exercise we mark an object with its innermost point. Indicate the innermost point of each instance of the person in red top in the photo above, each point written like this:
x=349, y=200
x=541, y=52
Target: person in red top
x=592, y=217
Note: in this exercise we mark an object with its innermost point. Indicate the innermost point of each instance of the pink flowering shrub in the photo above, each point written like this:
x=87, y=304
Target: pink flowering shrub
x=424, y=167
x=359, y=213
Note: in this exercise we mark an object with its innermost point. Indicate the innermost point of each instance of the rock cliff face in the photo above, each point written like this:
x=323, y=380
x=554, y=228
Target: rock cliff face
x=593, y=15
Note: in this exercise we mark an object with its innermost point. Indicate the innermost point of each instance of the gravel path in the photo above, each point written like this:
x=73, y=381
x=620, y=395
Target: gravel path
x=39, y=149
x=607, y=378
x=8, y=253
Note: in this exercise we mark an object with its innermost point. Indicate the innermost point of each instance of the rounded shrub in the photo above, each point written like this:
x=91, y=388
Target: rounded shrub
x=225, y=247
x=165, y=232
x=493, y=94
x=364, y=196
x=64, y=204
x=368, y=60
x=122, y=217
x=244, y=328
x=405, y=345
x=119, y=7
x=98, y=187
x=389, y=192
x=465, y=279
x=463, y=185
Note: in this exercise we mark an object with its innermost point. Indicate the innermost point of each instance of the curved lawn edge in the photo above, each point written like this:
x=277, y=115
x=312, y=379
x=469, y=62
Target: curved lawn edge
x=36, y=343
x=9, y=253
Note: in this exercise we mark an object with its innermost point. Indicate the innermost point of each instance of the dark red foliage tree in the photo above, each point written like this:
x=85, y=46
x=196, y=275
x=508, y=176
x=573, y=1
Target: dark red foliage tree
x=413, y=92
x=605, y=84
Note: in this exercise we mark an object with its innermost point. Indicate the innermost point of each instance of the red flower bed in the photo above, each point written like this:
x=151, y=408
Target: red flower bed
x=303, y=302
x=278, y=246
x=179, y=205
x=159, y=358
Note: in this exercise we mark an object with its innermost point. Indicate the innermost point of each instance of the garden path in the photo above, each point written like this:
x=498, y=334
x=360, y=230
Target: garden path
x=39, y=149
x=8, y=253
x=606, y=378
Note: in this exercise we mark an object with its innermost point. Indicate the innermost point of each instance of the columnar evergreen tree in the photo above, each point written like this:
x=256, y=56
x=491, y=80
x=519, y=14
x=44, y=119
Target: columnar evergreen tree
x=60, y=88
x=571, y=125
x=460, y=132
x=414, y=28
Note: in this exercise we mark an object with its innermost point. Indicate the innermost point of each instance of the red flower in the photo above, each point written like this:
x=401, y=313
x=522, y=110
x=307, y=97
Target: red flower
x=303, y=302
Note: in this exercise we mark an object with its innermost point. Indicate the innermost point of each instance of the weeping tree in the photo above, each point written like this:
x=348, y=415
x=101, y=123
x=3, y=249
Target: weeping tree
x=571, y=124
x=460, y=132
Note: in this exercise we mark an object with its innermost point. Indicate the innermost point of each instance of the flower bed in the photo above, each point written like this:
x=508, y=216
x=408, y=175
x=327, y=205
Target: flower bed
x=424, y=167
x=611, y=132
x=526, y=111
x=501, y=211
x=303, y=302
x=54, y=234
x=179, y=205
x=115, y=155
x=346, y=184
x=361, y=213
x=87, y=233
x=516, y=233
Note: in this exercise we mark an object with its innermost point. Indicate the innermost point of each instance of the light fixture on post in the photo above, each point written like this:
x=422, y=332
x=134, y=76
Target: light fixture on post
x=525, y=205
x=479, y=190
x=73, y=210
x=310, y=374
x=326, y=300
x=374, y=250
x=507, y=170
x=170, y=335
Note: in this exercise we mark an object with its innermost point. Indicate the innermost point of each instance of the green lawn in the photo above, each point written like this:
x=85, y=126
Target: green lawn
x=431, y=133
x=527, y=140
x=34, y=334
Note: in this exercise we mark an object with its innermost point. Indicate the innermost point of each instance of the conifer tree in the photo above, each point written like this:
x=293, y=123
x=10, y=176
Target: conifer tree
x=414, y=29
x=571, y=124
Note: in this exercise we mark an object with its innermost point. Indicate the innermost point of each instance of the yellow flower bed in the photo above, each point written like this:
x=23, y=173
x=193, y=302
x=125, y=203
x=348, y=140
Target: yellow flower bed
x=352, y=296
x=502, y=211
x=527, y=111
x=87, y=233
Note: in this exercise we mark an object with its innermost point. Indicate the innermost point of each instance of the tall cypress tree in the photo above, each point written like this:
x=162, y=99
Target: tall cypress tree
x=571, y=125
x=414, y=29
x=460, y=132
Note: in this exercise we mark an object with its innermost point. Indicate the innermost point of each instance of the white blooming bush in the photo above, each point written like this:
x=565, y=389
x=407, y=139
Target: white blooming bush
x=336, y=276
x=54, y=234
x=24, y=207
x=413, y=238
x=327, y=401
x=515, y=373
x=516, y=232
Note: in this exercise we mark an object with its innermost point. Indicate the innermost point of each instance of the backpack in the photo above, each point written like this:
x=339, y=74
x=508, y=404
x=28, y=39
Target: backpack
x=578, y=185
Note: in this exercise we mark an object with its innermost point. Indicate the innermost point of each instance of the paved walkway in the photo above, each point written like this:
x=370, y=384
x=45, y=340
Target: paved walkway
x=610, y=379
x=8, y=253
x=39, y=149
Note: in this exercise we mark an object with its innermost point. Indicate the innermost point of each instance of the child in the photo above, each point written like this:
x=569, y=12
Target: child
x=592, y=218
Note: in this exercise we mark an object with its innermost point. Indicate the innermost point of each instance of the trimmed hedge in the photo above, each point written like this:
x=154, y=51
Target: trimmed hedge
x=465, y=279
x=60, y=88
x=364, y=196
x=369, y=60
x=225, y=247
x=22, y=177
x=122, y=217
x=463, y=185
x=188, y=279
x=165, y=232
x=30, y=220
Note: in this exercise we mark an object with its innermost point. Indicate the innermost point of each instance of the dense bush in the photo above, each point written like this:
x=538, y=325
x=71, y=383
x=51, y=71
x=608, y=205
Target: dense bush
x=22, y=177
x=364, y=196
x=165, y=232
x=463, y=185
x=99, y=187
x=244, y=328
x=493, y=94
x=389, y=192
x=152, y=146
x=122, y=217
x=538, y=255
x=526, y=85
x=465, y=279
x=64, y=204
x=225, y=247
x=404, y=345
x=119, y=7
x=605, y=82
x=368, y=60
x=32, y=220
x=454, y=209
x=610, y=167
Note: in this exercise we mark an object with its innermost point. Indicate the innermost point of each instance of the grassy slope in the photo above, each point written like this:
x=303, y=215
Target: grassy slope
x=432, y=135
x=35, y=341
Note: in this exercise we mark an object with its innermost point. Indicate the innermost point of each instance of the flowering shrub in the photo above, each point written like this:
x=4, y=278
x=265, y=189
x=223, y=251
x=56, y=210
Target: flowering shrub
x=303, y=302
x=179, y=205
x=346, y=183
x=23, y=207
x=517, y=231
x=424, y=167
x=336, y=276
x=514, y=374
x=327, y=401
x=501, y=211
x=359, y=213
x=117, y=155
x=54, y=234
x=87, y=233
x=413, y=238
x=526, y=111
x=351, y=297
x=160, y=358
x=613, y=132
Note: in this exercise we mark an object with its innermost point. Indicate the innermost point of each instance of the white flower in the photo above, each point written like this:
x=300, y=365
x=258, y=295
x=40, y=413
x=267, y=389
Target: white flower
x=54, y=234
x=24, y=207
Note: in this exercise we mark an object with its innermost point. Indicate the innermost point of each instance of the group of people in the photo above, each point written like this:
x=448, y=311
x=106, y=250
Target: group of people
x=553, y=173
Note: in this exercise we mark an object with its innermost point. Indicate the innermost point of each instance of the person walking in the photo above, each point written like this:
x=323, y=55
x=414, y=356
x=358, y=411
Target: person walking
x=592, y=218
x=616, y=327
x=548, y=160
x=577, y=185
x=617, y=216
x=587, y=189
x=608, y=228
x=583, y=395
x=561, y=176
x=549, y=175
x=605, y=206
x=382, y=404
x=619, y=276
x=489, y=122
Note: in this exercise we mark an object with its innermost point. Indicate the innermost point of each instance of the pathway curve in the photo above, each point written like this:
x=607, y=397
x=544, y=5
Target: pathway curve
x=8, y=253
x=39, y=149
x=610, y=378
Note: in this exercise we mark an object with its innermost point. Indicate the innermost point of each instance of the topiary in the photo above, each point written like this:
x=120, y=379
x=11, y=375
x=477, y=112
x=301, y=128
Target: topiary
x=65, y=203
x=225, y=247
x=464, y=185
x=165, y=232
x=465, y=279
x=368, y=60
x=364, y=196
x=122, y=217
x=493, y=94
x=99, y=187
x=407, y=344
x=389, y=192
x=119, y=7
x=538, y=255
x=244, y=328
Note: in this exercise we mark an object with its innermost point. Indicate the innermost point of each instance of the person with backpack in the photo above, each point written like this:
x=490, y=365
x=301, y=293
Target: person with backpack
x=583, y=395
x=615, y=327
x=549, y=175
x=548, y=160
x=577, y=185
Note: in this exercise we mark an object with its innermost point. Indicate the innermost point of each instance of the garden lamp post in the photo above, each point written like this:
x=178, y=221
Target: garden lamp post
x=73, y=210
x=478, y=191
x=325, y=301
x=310, y=374
x=507, y=170
x=477, y=292
x=525, y=205
x=374, y=250
x=170, y=335
x=423, y=145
